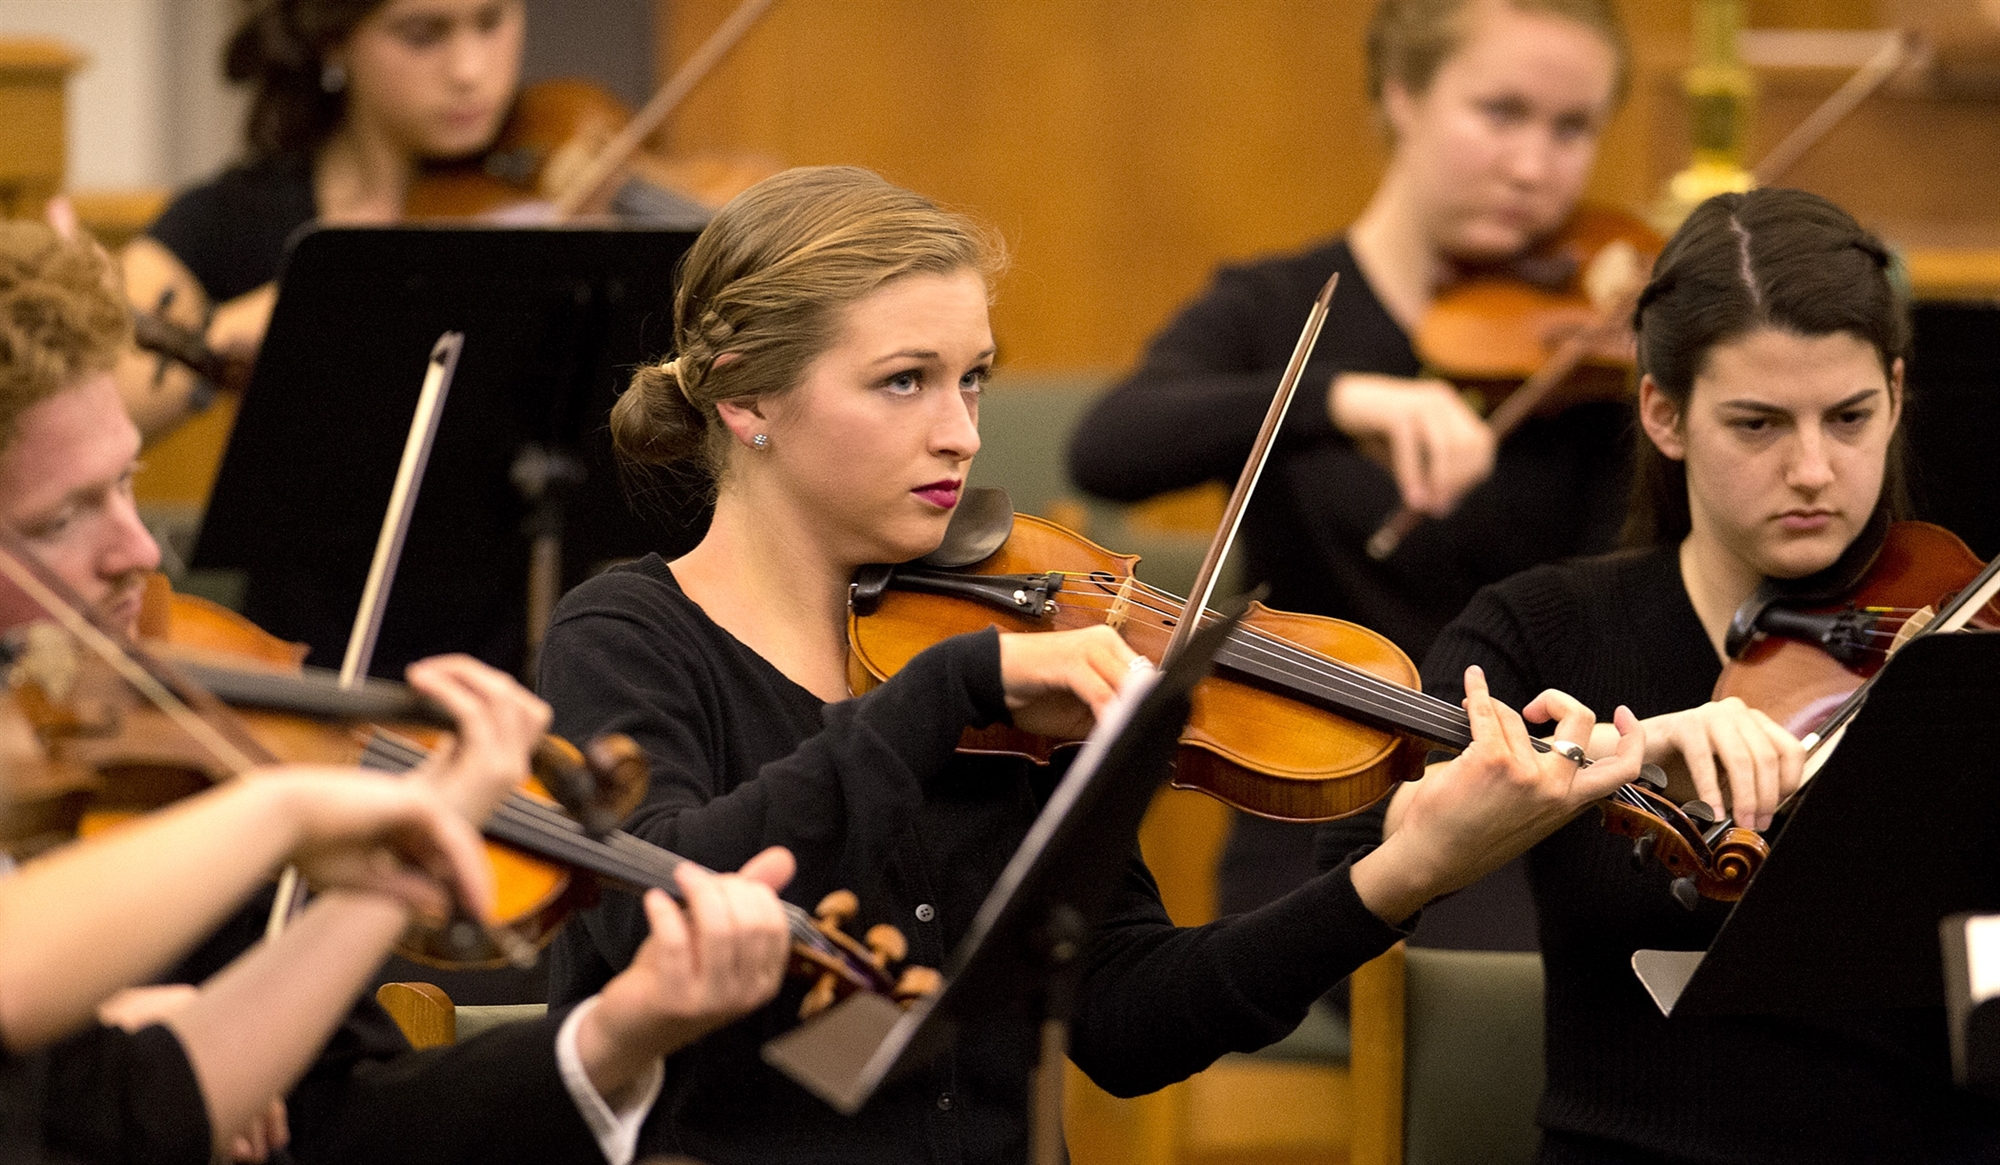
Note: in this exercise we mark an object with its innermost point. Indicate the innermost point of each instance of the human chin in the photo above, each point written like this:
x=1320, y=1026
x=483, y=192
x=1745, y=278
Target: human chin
x=1796, y=555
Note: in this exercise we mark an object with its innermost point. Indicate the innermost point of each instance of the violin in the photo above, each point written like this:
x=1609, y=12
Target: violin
x=570, y=147
x=1799, y=656
x=121, y=753
x=556, y=127
x=1544, y=332
x=1493, y=331
x=1306, y=718
x=1804, y=653
x=213, y=371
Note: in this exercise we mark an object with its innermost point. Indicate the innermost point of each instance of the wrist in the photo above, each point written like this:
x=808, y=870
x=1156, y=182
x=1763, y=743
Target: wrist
x=616, y=1055
x=1395, y=880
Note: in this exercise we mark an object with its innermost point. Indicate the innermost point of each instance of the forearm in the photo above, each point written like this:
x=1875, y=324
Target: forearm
x=256, y=1027
x=88, y=919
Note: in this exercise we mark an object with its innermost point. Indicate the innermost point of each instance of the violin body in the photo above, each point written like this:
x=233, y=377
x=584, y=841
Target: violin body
x=109, y=755
x=1799, y=684
x=1266, y=754
x=1492, y=331
x=555, y=129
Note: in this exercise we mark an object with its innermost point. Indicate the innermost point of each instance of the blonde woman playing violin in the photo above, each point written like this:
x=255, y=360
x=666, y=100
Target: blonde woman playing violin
x=831, y=343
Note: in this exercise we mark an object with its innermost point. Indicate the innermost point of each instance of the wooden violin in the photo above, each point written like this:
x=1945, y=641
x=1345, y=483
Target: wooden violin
x=1306, y=718
x=570, y=147
x=1539, y=334
x=1798, y=658
x=107, y=749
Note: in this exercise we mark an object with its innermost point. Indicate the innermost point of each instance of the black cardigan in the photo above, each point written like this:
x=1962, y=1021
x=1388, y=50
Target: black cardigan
x=103, y=1096
x=1624, y=1082
x=1191, y=411
x=870, y=795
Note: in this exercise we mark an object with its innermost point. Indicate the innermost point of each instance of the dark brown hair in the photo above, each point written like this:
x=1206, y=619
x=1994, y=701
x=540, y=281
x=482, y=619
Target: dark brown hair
x=61, y=317
x=1770, y=258
x=765, y=284
x=279, y=49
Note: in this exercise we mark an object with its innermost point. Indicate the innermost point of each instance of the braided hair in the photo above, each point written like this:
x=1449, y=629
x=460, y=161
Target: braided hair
x=761, y=295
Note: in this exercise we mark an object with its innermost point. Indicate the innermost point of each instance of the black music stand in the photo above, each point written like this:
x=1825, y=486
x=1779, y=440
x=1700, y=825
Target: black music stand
x=554, y=319
x=1020, y=959
x=1898, y=830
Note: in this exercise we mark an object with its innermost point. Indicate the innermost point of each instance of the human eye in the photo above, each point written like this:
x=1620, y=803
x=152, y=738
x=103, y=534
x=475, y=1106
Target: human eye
x=51, y=526
x=1852, y=419
x=422, y=31
x=488, y=18
x=1575, y=127
x=1751, y=426
x=908, y=382
x=1505, y=110
x=975, y=380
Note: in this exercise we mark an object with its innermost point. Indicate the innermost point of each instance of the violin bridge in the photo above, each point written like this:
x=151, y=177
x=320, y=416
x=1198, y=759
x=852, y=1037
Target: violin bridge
x=1121, y=605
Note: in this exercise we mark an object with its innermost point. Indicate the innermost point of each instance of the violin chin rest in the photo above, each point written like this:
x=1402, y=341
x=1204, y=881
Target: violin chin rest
x=979, y=526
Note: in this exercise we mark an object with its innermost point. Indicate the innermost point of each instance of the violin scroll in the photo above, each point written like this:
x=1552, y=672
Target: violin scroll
x=1708, y=858
x=880, y=949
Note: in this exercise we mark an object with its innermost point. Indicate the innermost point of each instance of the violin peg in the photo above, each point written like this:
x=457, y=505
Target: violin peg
x=1699, y=813
x=1653, y=777
x=619, y=765
x=1685, y=893
x=915, y=983
x=837, y=908
x=1642, y=850
x=821, y=996
x=887, y=944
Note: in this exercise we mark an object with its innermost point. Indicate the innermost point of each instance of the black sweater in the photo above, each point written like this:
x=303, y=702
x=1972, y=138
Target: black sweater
x=1191, y=411
x=231, y=231
x=870, y=795
x=1624, y=1082
x=103, y=1096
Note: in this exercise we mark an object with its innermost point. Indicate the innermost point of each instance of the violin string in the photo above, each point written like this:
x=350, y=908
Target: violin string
x=1359, y=689
x=623, y=856
x=619, y=855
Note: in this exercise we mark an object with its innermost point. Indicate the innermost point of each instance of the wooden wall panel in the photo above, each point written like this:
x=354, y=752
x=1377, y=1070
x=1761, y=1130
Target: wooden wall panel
x=1124, y=147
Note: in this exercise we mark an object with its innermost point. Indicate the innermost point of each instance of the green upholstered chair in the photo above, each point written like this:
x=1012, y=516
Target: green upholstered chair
x=1447, y=1057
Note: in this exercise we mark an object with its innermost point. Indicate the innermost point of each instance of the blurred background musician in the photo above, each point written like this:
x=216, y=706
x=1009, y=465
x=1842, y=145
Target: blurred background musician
x=1494, y=109
x=349, y=99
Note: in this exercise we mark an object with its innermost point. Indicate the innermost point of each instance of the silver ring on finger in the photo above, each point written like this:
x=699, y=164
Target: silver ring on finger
x=1569, y=750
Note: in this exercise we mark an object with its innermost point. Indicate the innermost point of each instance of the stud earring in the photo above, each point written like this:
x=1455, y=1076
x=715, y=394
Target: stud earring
x=761, y=441
x=332, y=77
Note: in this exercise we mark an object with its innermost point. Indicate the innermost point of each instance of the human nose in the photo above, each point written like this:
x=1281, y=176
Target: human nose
x=469, y=56
x=128, y=545
x=1810, y=469
x=1531, y=157
x=956, y=431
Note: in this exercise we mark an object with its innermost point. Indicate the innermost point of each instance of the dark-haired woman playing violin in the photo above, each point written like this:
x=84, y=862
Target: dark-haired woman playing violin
x=348, y=99
x=831, y=342
x=1772, y=341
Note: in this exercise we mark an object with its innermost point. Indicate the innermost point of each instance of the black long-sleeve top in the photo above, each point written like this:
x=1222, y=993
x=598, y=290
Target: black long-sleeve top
x=1191, y=411
x=871, y=796
x=1624, y=1082
x=368, y=1096
x=103, y=1096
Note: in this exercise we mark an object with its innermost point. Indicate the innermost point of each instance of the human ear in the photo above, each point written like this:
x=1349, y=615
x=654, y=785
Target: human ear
x=1895, y=393
x=1662, y=419
x=744, y=417
x=1399, y=107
